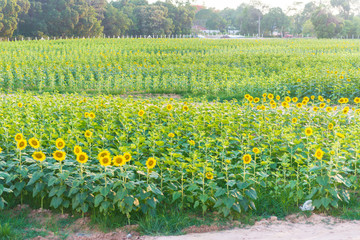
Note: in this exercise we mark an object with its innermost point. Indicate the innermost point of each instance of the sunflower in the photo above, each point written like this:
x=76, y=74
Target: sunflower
x=59, y=155
x=256, y=100
x=328, y=109
x=21, y=145
x=285, y=104
x=308, y=131
x=315, y=109
x=256, y=150
x=91, y=115
x=247, y=96
x=141, y=113
x=330, y=126
x=299, y=105
x=278, y=97
x=298, y=80
x=273, y=105
x=264, y=95
x=294, y=120
x=346, y=100
x=104, y=153
x=77, y=150
x=82, y=157
x=127, y=156
x=151, y=163
x=1, y=150
x=119, y=160
x=322, y=105
x=340, y=135
x=86, y=114
x=247, y=158
x=60, y=143
x=250, y=99
x=209, y=175
x=39, y=156
x=341, y=100
x=345, y=110
x=19, y=137
x=288, y=99
x=169, y=107
x=185, y=108
x=191, y=142
x=295, y=99
x=171, y=135
x=105, y=161
x=357, y=100
x=272, y=102
x=312, y=97
x=20, y=105
x=34, y=143
x=319, y=154
x=270, y=96
x=306, y=99
x=332, y=152
x=88, y=134
x=321, y=98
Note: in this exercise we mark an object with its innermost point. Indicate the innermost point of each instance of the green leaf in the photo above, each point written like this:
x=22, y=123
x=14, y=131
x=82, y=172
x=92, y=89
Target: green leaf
x=229, y=202
x=322, y=180
x=203, y=198
x=218, y=203
x=98, y=199
x=151, y=202
x=154, y=189
x=129, y=200
x=196, y=204
x=36, y=176
x=176, y=195
x=105, y=190
x=242, y=185
x=55, y=202
x=325, y=201
x=220, y=192
x=251, y=193
x=340, y=179
x=52, y=181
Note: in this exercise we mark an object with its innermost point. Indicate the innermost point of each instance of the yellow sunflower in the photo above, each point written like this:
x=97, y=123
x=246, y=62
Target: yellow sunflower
x=308, y=131
x=319, y=154
x=77, y=150
x=295, y=99
x=294, y=120
x=256, y=150
x=104, y=153
x=91, y=115
x=209, y=175
x=60, y=143
x=169, y=107
x=21, y=145
x=151, y=163
x=88, y=134
x=256, y=100
x=330, y=126
x=20, y=104
x=34, y=143
x=19, y=137
x=141, y=113
x=185, y=108
x=271, y=96
x=321, y=98
x=127, y=156
x=119, y=160
x=171, y=135
x=357, y=100
x=105, y=161
x=39, y=156
x=340, y=135
x=247, y=158
x=59, y=155
x=82, y=157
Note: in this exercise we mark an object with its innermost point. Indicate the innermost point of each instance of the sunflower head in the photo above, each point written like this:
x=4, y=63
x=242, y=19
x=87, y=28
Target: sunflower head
x=209, y=175
x=39, y=156
x=330, y=126
x=88, y=134
x=340, y=135
x=191, y=142
x=295, y=99
x=270, y=96
x=151, y=163
x=169, y=107
x=127, y=156
x=141, y=113
x=19, y=137
x=104, y=153
x=256, y=150
x=20, y=105
x=77, y=150
x=171, y=135
x=294, y=120
x=278, y=97
x=60, y=143
x=34, y=143
x=59, y=155
x=91, y=115
x=357, y=100
x=119, y=160
x=21, y=145
x=247, y=158
x=185, y=108
x=308, y=131
x=82, y=157
x=319, y=154
x=86, y=114
x=105, y=161
x=321, y=98
x=299, y=105
x=288, y=99
x=256, y=100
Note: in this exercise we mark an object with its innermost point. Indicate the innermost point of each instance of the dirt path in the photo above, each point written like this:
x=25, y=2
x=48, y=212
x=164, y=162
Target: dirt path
x=316, y=227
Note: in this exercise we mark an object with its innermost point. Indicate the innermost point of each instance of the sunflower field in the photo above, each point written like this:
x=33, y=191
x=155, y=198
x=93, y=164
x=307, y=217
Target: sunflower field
x=109, y=154
x=194, y=67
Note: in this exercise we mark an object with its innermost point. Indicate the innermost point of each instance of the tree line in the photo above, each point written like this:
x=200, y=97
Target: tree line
x=88, y=18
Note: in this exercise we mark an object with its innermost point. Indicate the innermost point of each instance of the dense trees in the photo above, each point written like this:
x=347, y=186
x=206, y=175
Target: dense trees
x=84, y=18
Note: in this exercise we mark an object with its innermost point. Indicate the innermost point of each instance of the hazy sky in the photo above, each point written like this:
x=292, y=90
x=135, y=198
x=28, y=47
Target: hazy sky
x=221, y=4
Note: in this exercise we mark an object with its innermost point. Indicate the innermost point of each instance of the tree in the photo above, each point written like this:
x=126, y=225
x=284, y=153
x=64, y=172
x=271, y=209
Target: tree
x=154, y=20
x=308, y=29
x=10, y=9
x=344, y=7
x=325, y=24
x=275, y=19
x=115, y=21
x=99, y=7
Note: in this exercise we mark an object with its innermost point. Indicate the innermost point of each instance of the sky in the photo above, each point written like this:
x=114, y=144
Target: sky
x=221, y=4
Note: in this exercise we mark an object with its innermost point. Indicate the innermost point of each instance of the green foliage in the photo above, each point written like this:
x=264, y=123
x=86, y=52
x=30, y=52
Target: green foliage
x=326, y=25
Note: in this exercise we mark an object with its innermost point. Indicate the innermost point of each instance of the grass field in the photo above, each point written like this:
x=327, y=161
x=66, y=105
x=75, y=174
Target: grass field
x=290, y=134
